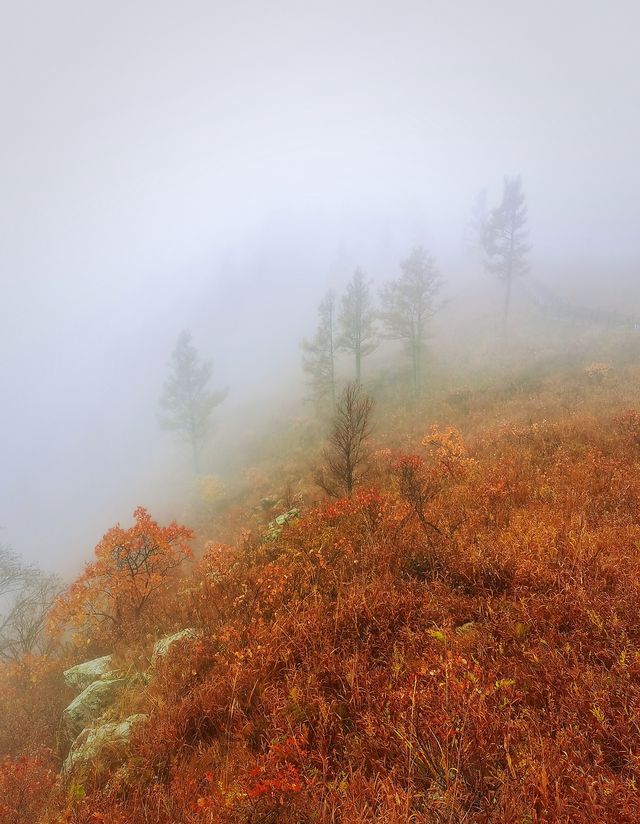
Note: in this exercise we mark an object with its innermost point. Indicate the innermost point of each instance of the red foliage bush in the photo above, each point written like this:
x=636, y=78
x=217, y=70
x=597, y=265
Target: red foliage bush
x=25, y=785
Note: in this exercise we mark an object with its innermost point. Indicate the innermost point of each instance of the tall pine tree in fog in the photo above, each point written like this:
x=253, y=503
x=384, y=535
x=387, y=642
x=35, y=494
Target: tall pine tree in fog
x=505, y=239
x=408, y=304
x=356, y=321
x=318, y=358
x=187, y=402
x=475, y=227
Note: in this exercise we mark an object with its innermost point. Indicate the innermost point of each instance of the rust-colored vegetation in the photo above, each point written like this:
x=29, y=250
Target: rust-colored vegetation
x=456, y=641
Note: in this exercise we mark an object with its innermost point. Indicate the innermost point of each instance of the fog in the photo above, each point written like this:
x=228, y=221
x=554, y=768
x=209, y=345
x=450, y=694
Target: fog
x=216, y=166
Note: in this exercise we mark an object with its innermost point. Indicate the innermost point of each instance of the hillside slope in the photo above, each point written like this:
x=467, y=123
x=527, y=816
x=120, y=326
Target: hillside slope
x=458, y=641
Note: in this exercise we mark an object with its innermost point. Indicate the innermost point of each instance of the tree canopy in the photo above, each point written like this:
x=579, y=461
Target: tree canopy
x=187, y=401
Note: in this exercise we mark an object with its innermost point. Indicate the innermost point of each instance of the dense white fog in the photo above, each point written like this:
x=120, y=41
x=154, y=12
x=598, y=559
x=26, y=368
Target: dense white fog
x=216, y=166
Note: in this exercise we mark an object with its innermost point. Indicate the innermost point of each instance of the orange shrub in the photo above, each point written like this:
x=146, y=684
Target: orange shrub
x=32, y=697
x=25, y=785
x=121, y=592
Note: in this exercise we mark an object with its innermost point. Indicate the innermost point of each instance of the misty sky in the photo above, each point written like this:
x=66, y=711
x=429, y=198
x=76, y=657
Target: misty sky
x=217, y=165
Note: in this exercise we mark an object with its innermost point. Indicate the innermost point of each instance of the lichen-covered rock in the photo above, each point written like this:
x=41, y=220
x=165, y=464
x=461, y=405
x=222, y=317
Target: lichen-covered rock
x=466, y=629
x=275, y=526
x=91, y=703
x=100, y=747
x=161, y=647
x=82, y=675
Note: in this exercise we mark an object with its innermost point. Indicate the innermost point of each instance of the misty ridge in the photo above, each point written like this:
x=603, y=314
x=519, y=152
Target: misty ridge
x=414, y=323
x=320, y=452
x=356, y=324
x=219, y=171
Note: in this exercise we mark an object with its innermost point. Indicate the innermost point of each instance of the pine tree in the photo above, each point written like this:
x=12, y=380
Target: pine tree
x=186, y=402
x=318, y=359
x=475, y=227
x=356, y=321
x=408, y=304
x=505, y=239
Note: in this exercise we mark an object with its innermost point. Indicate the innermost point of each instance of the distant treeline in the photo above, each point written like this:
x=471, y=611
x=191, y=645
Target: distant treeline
x=546, y=300
x=358, y=321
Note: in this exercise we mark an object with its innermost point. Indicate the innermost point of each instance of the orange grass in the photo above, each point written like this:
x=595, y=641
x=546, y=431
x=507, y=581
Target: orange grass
x=459, y=642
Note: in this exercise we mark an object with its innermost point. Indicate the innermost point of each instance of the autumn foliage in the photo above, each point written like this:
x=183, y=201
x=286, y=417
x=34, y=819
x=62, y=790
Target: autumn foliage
x=121, y=593
x=25, y=784
x=457, y=642
x=32, y=697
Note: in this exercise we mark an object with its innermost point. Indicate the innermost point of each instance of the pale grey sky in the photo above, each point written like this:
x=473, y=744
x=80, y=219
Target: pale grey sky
x=209, y=164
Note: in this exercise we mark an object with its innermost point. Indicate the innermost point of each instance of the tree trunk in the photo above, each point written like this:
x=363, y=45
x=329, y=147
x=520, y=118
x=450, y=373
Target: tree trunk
x=507, y=297
x=333, y=364
x=196, y=456
x=507, y=302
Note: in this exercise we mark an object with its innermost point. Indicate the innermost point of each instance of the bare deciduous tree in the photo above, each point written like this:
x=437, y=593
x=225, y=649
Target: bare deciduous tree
x=13, y=573
x=346, y=454
x=26, y=596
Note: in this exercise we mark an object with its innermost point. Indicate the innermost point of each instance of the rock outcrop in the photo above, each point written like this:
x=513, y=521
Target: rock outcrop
x=162, y=647
x=275, y=527
x=83, y=675
x=87, y=707
x=100, y=747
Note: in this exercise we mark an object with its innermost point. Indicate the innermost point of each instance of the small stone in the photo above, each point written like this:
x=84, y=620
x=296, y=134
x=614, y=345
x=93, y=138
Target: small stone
x=161, y=647
x=275, y=527
x=466, y=629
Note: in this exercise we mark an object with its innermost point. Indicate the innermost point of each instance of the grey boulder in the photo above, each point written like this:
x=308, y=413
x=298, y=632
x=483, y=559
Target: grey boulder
x=101, y=747
x=91, y=703
x=82, y=675
x=162, y=647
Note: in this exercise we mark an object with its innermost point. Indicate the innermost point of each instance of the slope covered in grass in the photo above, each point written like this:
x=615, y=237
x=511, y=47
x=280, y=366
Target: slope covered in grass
x=458, y=641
